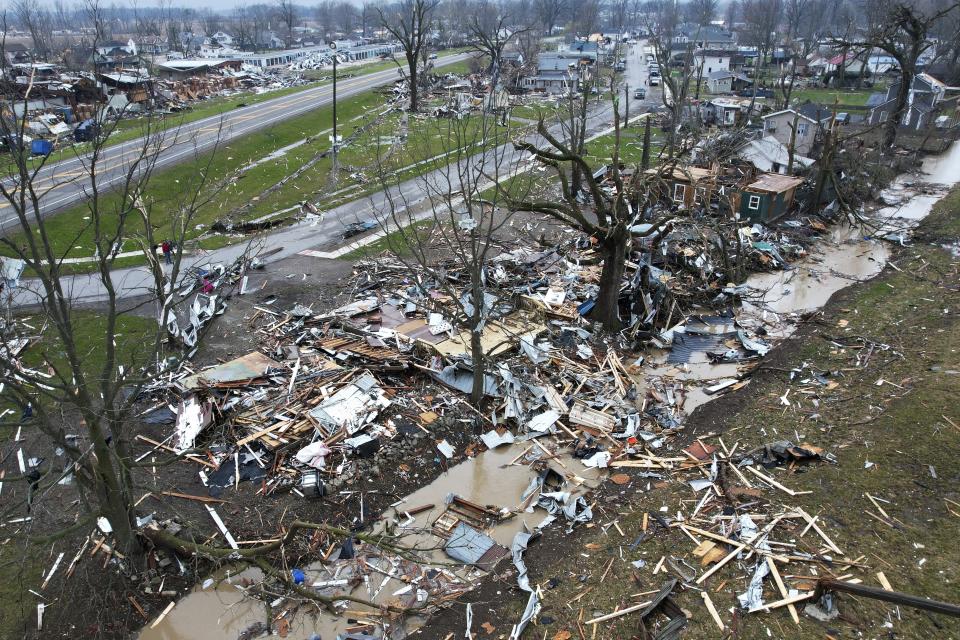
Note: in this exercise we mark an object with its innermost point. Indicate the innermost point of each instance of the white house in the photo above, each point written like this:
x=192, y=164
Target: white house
x=809, y=120
x=713, y=60
x=771, y=156
x=223, y=38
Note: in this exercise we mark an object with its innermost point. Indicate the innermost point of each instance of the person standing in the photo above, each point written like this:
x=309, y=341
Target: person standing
x=167, y=249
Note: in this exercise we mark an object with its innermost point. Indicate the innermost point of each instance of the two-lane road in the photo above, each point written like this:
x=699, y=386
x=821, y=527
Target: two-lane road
x=63, y=183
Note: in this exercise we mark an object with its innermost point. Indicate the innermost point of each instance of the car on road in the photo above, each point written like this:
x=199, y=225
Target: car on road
x=654, y=80
x=640, y=94
x=432, y=56
x=356, y=228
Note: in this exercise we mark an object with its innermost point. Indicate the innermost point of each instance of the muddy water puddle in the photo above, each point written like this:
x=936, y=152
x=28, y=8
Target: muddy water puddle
x=496, y=478
x=844, y=257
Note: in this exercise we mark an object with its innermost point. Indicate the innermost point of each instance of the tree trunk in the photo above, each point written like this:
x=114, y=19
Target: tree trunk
x=645, y=160
x=476, y=328
x=413, y=84
x=607, y=309
x=113, y=497
x=890, y=130
x=791, y=150
x=479, y=370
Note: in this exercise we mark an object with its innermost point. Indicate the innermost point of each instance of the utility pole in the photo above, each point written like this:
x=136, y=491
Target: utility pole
x=626, y=103
x=336, y=144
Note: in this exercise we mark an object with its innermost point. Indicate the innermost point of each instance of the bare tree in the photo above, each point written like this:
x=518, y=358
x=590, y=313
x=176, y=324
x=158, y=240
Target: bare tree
x=548, y=13
x=346, y=17
x=242, y=28
x=528, y=45
x=409, y=22
x=288, y=15
x=85, y=409
x=761, y=19
x=804, y=19
x=492, y=30
x=619, y=14
x=608, y=216
x=904, y=34
x=37, y=21
x=732, y=13
x=260, y=16
x=210, y=22
x=586, y=17
x=458, y=229
x=702, y=12
x=663, y=24
x=323, y=14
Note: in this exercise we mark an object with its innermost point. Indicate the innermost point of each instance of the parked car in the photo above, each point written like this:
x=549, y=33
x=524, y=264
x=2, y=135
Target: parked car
x=654, y=81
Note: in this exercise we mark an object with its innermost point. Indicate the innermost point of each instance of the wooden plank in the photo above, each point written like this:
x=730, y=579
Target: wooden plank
x=783, y=603
x=187, y=496
x=617, y=614
x=783, y=589
x=712, y=609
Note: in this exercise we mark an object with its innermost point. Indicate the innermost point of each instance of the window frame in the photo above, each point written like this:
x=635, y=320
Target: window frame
x=750, y=203
x=682, y=188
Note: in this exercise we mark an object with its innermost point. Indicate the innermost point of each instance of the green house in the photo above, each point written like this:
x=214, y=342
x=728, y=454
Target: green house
x=767, y=198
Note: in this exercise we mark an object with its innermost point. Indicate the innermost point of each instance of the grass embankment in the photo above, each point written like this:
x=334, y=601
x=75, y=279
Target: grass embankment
x=907, y=427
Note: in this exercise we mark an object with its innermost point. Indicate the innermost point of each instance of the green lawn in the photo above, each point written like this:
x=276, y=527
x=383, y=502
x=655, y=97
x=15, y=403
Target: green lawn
x=134, y=338
x=600, y=150
x=831, y=96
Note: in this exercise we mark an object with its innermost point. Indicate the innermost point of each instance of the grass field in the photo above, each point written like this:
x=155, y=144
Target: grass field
x=830, y=96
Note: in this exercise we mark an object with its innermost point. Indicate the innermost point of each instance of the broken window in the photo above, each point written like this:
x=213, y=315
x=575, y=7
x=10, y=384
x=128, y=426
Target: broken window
x=679, y=192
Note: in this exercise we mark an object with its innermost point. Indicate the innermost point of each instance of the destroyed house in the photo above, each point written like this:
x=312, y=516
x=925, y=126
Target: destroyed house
x=925, y=99
x=585, y=51
x=727, y=81
x=726, y=112
x=17, y=53
x=687, y=186
x=135, y=85
x=803, y=126
x=769, y=197
x=705, y=37
x=756, y=197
